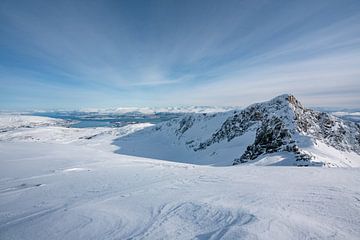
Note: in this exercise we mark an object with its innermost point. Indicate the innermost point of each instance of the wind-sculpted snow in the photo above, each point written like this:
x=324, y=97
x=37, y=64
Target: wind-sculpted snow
x=67, y=191
x=199, y=220
x=297, y=135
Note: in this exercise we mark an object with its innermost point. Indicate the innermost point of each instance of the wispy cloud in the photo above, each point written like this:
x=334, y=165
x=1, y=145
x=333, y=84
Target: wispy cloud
x=163, y=52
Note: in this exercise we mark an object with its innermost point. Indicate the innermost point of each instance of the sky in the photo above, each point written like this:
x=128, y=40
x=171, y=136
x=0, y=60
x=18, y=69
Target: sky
x=104, y=54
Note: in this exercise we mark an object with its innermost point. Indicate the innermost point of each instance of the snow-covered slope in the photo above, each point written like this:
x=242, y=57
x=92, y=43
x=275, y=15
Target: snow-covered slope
x=65, y=191
x=13, y=121
x=278, y=132
x=23, y=128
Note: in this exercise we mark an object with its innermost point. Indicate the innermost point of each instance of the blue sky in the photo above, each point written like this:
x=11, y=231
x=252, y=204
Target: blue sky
x=79, y=54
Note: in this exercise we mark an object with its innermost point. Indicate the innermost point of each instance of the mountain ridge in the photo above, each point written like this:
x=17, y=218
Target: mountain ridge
x=281, y=125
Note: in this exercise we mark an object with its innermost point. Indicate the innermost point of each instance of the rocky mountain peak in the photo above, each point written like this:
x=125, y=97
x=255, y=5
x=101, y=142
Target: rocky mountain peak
x=282, y=101
x=287, y=121
x=280, y=125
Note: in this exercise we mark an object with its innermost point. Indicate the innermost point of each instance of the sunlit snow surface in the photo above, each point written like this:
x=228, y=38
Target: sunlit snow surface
x=64, y=183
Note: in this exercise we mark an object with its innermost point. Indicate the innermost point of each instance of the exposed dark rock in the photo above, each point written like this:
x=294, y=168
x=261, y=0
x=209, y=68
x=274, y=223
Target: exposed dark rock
x=185, y=124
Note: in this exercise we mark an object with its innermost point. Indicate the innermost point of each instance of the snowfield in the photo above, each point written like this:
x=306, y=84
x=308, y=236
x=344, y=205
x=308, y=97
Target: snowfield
x=18, y=128
x=65, y=183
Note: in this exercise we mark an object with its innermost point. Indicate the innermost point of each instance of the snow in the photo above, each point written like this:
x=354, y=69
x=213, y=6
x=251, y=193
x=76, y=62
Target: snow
x=164, y=144
x=17, y=121
x=333, y=157
x=61, y=191
x=66, y=183
x=21, y=128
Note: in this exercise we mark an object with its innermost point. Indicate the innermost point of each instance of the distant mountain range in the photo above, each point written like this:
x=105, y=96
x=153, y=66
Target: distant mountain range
x=278, y=132
x=132, y=110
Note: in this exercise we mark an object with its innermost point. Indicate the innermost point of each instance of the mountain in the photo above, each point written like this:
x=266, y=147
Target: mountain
x=277, y=132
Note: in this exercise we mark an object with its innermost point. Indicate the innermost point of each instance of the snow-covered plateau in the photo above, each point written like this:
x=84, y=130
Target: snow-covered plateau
x=201, y=176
